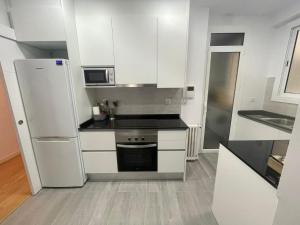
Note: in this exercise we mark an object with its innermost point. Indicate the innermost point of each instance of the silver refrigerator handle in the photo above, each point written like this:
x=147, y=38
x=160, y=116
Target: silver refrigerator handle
x=52, y=139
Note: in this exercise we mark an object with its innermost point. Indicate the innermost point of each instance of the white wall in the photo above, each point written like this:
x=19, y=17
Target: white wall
x=82, y=99
x=196, y=66
x=10, y=51
x=22, y=3
x=3, y=13
x=142, y=100
x=139, y=7
x=289, y=187
x=253, y=60
x=250, y=87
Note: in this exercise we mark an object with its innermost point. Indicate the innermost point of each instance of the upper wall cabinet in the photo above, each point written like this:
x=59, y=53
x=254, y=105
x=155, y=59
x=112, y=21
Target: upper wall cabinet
x=135, y=47
x=172, y=51
x=38, y=23
x=95, y=39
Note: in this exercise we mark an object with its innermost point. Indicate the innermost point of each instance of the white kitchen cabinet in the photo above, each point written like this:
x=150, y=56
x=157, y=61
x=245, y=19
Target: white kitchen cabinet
x=171, y=161
x=246, y=129
x=171, y=151
x=172, y=139
x=38, y=23
x=135, y=48
x=172, y=51
x=241, y=196
x=100, y=162
x=97, y=140
x=95, y=39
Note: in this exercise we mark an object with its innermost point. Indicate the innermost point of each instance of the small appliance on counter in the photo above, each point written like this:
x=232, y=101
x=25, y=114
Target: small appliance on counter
x=104, y=110
x=98, y=115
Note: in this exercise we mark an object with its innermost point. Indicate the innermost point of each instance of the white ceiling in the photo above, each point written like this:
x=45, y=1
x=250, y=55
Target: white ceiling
x=248, y=7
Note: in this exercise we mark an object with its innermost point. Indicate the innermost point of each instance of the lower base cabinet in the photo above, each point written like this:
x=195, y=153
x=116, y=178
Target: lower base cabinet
x=241, y=196
x=171, y=161
x=100, y=162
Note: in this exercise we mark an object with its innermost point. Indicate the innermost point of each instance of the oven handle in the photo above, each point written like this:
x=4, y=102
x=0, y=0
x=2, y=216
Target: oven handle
x=137, y=146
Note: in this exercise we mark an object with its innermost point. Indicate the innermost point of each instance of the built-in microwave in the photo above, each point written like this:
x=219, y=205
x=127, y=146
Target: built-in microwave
x=99, y=76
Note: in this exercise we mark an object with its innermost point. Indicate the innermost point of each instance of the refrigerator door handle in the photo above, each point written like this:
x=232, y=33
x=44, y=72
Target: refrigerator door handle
x=53, y=139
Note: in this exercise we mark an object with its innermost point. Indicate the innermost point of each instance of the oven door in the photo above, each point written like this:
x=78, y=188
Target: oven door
x=96, y=76
x=137, y=157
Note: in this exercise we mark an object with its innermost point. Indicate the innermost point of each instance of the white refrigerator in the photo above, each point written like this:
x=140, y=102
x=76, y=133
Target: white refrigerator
x=48, y=99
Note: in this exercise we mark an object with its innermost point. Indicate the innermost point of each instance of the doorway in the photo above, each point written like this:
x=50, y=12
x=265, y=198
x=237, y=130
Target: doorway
x=223, y=65
x=220, y=97
x=14, y=186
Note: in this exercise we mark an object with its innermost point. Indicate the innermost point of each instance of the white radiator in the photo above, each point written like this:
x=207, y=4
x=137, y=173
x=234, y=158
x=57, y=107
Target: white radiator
x=193, y=139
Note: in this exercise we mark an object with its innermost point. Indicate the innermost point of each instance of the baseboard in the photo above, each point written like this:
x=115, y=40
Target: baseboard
x=209, y=151
x=10, y=156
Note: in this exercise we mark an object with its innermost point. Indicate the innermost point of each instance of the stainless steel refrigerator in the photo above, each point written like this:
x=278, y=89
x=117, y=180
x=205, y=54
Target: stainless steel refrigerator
x=47, y=94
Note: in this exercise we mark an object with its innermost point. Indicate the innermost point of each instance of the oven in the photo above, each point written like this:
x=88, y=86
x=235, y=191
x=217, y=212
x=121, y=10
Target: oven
x=99, y=76
x=136, y=150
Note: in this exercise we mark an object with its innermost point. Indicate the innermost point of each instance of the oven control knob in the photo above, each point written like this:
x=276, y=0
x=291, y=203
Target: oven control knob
x=143, y=139
x=129, y=139
x=136, y=139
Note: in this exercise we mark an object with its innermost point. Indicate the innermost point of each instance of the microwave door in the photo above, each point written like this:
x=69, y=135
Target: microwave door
x=96, y=77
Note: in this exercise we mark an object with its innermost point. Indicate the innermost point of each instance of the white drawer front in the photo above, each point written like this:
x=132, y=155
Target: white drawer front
x=171, y=144
x=171, y=161
x=171, y=135
x=100, y=162
x=171, y=139
x=97, y=141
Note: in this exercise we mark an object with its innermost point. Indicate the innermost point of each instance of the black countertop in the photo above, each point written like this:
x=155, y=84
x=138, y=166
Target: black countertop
x=164, y=121
x=255, y=116
x=256, y=154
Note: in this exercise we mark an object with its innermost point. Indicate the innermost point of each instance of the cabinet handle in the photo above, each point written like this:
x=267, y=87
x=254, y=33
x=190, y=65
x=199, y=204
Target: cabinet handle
x=20, y=122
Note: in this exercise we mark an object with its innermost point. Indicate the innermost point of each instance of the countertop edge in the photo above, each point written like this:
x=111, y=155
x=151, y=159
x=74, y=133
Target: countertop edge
x=84, y=126
x=251, y=167
x=246, y=114
x=129, y=128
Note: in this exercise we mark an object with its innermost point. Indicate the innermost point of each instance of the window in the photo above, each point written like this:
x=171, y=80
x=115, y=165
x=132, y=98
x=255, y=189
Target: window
x=287, y=87
x=227, y=39
x=292, y=84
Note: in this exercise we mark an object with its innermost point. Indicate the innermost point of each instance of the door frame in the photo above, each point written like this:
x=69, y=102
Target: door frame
x=212, y=49
x=23, y=134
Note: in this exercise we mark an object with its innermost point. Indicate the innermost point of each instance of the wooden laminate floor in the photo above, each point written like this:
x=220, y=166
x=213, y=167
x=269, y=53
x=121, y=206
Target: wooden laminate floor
x=128, y=203
x=14, y=187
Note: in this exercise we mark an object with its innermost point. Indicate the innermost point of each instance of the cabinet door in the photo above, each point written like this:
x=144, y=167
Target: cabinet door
x=100, y=162
x=95, y=39
x=172, y=51
x=171, y=140
x=135, y=46
x=97, y=141
x=171, y=161
x=38, y=23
